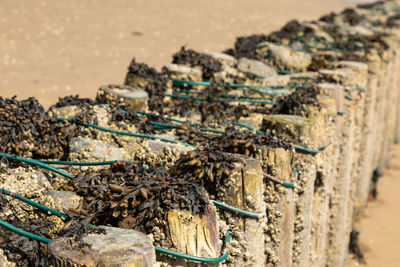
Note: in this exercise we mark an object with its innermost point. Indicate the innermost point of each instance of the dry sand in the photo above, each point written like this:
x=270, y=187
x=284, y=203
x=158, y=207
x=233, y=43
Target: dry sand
x=52, y=48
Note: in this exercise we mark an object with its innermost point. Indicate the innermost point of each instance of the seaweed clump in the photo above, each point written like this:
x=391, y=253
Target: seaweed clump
x=26, y=130
x=296, y=102
x=231, y=140
x=130, y=195
x=210, y=168
x=192, y=58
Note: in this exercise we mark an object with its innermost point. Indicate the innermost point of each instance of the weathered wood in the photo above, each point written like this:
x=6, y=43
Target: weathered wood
x=347, y=177
x=301, y=131
x=331, y=97
x=244, y=191
x=280, y=207
x=195, y=235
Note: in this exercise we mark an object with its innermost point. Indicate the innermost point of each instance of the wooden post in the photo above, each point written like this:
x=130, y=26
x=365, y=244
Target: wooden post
x=244, y=191
x=195, y=235
x=341, y=210
x=301, y=131
x=331, y=98
x=280, y=207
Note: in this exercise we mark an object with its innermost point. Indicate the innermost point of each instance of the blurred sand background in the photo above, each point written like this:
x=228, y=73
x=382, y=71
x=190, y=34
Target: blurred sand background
x=52, y=48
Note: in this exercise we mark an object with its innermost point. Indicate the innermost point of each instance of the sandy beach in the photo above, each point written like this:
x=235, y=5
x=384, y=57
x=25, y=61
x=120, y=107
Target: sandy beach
x=50, y=49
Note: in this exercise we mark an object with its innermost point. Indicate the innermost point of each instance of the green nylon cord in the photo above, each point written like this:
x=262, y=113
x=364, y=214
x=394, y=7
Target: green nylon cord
x=126, y=133
x=322, y=48
x=284, y=45
x=220, y=99
x=256, y=88
x=167, y=118
x=297, y=147
x=320, y=148
x=349, y=97
x=196, y=258
x=24, y=233
x=33, y=203
x=169, y=126
x=280, y=71
x=72, y=163
x=306, y=149
x=293, y=85
x=235, y=85
x=38, y=163
x=225, y=95
x=358, y=88
x=291, y=185
x=179, y=121
x=242, y=212
x=245, y=126
x=212, y=130
x=301, y=77
x=296, y=173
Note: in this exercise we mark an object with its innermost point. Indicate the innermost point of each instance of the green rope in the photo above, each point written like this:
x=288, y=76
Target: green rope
x=184, y=82
x=283, y=45
x=38, y=163
x=220, y=99
x=126, y=133
x=225, y=95
x=169, y=126
x=301, y=77
x=320, y=148
x=280, y=71
x=297, y=147
x=306, y=149
x=33, y=203
x=242, y=212
x=256, y=88
x=196, y=258
x=24, y=233
x=322, y=48
x=167, y=118
x=245, y=126
x=293, y=85
x=290, y=185
x=341, y=112
x=358, y=88
x=212, y=130
x=60, y=162
x=278, y=181
x=349, y=97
